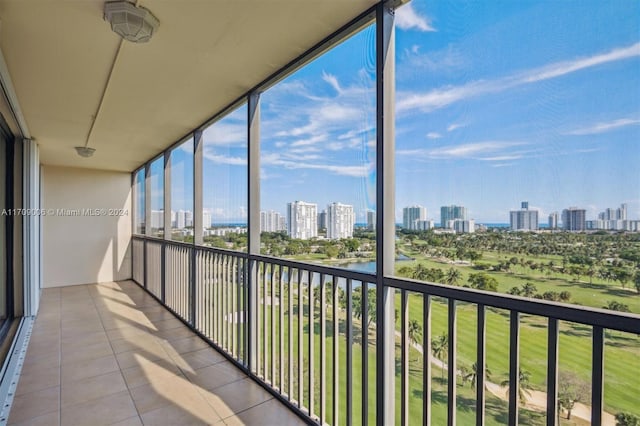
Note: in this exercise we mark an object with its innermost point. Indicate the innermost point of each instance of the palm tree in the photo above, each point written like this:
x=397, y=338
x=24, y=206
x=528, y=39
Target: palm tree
x=452, y=277
x=440, y=349
x=415, y=331
x=523, y=385
x=472, y=375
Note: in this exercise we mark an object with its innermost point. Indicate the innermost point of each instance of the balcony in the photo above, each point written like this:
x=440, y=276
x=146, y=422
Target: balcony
x=111, y=354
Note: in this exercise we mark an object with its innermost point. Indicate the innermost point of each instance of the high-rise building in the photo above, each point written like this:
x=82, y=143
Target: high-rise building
x=322, y=220
x=371, y=220
x=157, y=219
x=451, y=213
x=424, y=225
x=411, y=215
x=302, y=220
x=206, y=219
x=181, y=219
x=524, y=219
x=271, y=221
x=553, y=220
x=340, y=221
x=464, y=226
x=574, y=219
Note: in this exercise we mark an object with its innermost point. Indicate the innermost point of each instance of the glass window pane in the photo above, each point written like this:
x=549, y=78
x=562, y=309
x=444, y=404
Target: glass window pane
x=139, y=194
x=224, y=187
x=318, y=158
x=182, y=192
x=157, y=198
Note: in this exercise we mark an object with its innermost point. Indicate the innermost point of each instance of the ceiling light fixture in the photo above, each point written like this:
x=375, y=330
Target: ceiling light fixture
x=130, y=22
x=85, y=151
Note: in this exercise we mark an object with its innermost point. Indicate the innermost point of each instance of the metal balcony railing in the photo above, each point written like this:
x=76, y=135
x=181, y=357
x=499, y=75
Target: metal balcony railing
x=308, y=333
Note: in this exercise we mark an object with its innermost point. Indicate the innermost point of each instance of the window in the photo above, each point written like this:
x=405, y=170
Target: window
x=224, y=186
x=516, y=148
x=139, y=194
x=182, y=192
x=318, y=158
x=156, y=227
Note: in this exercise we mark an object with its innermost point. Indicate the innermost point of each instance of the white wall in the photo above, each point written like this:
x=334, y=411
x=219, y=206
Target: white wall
x=85, y=249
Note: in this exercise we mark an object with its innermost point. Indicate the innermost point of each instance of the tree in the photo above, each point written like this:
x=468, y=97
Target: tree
x=453, y=276
x=636, y=282
x=571, y=390
x=627, y=419
x=414, y=331
x=472, y=375
x=616, y=306
x=529, y=290
x=440, y=348
x=482, y=281
x=524, y=385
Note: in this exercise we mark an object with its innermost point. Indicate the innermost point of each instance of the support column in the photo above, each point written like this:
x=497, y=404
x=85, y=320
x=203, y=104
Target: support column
x=167, y=195
x=253, y=220
x=197, y=187
x=385, y=212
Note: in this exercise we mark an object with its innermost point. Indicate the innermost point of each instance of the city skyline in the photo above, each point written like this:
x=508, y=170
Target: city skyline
x=480, y=122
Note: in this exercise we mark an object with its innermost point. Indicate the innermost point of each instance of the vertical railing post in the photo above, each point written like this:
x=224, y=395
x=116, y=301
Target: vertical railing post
x=385, y=214
x=514, y=366
x=163, y=272
x=253, y=220
x=192, y=285
x=552, y=372
x=597, y=376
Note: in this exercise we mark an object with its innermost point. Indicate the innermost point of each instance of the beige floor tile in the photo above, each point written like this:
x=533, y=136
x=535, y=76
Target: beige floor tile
x=177, y=391
x=171, y=415
x=91, y=388
x=216, y=375
x=174, y=334
x=131, y=421
x=35, y=379
x=34, y=404
x=185, y=345
x=199, y=359
x=150, y=352
x=46, y=361
x=101, y=411
x=133, y=343
x=74, y=354
x=150, y=370
x=168, y=324
x=270, y=413
x=236, y=397
x=49, y=419
x=88, y=368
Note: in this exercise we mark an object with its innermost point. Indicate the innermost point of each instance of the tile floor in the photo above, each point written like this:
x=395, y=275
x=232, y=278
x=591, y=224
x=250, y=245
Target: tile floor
x=110, y=354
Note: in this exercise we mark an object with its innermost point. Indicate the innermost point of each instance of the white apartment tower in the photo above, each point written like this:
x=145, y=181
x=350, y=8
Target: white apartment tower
x=302, y=220
x=340, y=221
x=412, y=215
x=271, y=221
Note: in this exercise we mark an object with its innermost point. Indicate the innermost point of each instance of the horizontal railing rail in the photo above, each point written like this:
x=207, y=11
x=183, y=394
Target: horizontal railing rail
x=313, y=343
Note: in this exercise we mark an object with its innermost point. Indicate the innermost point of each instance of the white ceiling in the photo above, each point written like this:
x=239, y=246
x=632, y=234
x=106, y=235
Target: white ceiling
x=205, y=54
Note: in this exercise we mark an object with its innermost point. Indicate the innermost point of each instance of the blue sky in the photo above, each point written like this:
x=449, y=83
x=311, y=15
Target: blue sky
x=497, y=102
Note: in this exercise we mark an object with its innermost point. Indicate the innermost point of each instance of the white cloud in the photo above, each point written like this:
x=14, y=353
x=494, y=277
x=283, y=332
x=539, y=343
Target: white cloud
x=472, y=149
x=222, y=133
x=223, y=159
x=454, y=126
x=434, y=135
x=407, y=18
x=275, y=159
x=485, y=151
x=332, y=80
x=444, y=96
x=604, y=127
